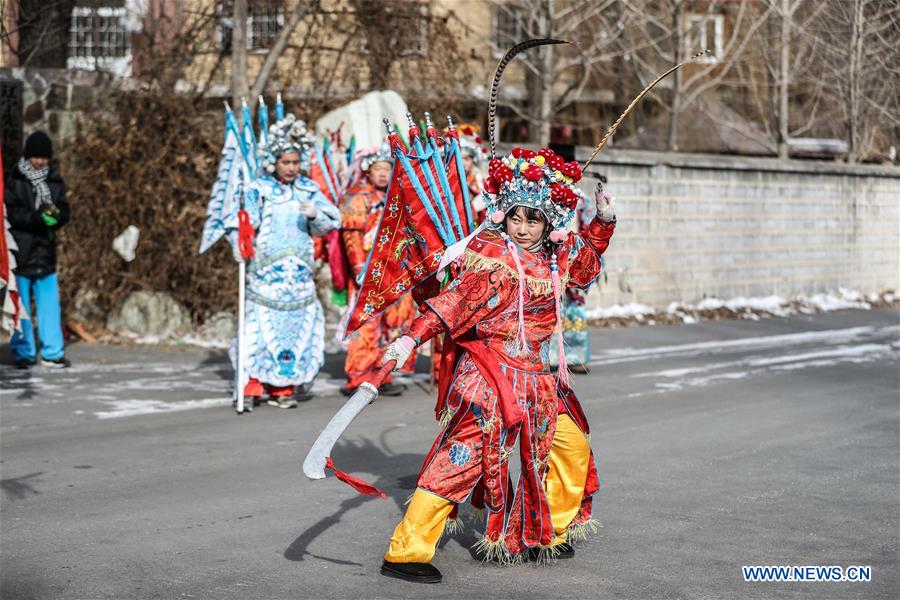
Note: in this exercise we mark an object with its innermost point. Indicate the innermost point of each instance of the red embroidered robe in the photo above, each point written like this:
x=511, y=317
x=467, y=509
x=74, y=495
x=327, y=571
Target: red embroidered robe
x=496, y=391
x=360, y=213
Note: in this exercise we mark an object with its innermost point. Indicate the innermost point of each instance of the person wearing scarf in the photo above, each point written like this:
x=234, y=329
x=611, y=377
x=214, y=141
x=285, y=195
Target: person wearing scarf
x=36, y=207
x=502, y=317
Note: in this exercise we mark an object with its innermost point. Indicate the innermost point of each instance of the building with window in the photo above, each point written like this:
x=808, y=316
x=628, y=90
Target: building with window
x=99, y=39
x=436, y=53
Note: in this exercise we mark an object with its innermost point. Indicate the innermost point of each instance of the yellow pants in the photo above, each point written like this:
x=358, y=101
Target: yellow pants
x=417, y=535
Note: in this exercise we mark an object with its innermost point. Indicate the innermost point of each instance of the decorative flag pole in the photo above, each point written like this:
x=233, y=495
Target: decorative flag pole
x=245, y=247
x=242, y=285
x=279, y=107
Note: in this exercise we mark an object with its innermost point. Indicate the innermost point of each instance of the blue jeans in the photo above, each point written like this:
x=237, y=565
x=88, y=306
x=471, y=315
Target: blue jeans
x=49, y=322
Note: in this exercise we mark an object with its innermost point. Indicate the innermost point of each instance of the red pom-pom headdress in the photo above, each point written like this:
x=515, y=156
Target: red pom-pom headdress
x=541, y=180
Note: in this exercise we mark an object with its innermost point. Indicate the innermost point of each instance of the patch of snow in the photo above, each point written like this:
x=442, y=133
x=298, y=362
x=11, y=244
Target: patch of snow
x=833, y=336
x=130, y=408
x=630, y=310
x=201, y=342
x=743, y=307
x=844, y=300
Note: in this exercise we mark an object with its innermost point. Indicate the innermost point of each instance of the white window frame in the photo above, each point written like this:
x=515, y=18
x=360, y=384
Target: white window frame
x=422, y=30
x=697, y=38
x=226, y=18
x=118, y=65
x=279, y=20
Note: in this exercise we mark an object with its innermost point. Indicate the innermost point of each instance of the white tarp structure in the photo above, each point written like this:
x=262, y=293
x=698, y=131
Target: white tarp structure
x=363, y=116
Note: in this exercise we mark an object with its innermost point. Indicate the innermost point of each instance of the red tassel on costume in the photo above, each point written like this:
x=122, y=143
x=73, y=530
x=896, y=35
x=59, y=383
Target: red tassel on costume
x=245, y=234
x=355, y=482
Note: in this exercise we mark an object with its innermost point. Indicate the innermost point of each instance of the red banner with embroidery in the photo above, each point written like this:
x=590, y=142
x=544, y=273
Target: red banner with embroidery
x=412, y=235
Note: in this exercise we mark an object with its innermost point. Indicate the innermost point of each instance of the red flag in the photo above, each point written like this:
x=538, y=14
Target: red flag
x=10, y=305
x=245, y=234
x=4, y=248
x=409, y=245
x=456, y=175
x=320, y=172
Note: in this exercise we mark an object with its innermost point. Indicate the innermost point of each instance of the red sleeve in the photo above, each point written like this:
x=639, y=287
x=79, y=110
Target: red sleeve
x=353, y=245
x=353, y=223
x=585, y=249
x=425, y=327
x=473, y=296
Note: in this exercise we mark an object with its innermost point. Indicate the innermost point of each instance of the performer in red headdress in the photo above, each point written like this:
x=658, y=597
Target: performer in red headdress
x=361, y=211
x=503, y=312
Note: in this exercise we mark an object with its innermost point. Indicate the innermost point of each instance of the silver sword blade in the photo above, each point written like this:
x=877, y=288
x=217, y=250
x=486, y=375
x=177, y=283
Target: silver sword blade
x=314, y=464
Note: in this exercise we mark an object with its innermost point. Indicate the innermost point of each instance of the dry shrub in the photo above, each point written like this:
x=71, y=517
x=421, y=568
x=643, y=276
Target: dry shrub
x=148, y=162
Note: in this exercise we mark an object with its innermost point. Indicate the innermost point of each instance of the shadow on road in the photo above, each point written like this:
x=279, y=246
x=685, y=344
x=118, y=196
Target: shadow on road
x=219, y=358
x=395, y=475
x=17, y=488
x=11, y=378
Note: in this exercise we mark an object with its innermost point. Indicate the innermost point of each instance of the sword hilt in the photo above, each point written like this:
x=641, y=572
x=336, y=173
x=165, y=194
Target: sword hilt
x=317, y=457
x=379, y=377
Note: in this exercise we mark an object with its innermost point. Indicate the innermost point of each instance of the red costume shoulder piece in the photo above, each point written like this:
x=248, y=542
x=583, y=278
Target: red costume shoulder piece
x=489, y=252
x=478, y=292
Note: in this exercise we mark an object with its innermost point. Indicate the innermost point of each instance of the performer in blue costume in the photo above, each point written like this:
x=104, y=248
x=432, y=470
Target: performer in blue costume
x=284, y=326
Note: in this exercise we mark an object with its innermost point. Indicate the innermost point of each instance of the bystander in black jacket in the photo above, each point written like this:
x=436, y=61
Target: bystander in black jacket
x=36, y=256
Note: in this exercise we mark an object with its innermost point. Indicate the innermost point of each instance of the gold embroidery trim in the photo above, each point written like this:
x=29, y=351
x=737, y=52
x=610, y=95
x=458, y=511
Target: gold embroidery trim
x=538, y=286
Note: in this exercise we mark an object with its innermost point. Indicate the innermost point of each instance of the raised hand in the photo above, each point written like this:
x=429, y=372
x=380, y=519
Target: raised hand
x=605, y=202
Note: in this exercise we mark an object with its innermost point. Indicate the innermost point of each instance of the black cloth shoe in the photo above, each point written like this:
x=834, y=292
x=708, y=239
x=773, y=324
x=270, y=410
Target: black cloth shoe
x=562, y=551
x=24, y=363
x=415, y=572
x=391, y=389
x=57, y=363
x=347, y=390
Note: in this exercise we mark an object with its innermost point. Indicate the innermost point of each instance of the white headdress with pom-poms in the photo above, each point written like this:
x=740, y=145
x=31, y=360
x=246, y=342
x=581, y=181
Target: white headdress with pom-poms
x=286, y=135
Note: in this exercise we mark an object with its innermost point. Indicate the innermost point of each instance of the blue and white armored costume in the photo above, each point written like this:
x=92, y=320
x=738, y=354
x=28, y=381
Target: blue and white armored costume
x=284, y=326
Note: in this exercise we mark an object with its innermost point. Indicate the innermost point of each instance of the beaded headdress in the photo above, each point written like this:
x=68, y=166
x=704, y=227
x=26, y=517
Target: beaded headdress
x=369, y=156
x=471, y=143
x=285, y=135
x=540, y=180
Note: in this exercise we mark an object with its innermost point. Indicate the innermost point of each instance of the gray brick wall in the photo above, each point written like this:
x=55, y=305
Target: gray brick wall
x=692, y=226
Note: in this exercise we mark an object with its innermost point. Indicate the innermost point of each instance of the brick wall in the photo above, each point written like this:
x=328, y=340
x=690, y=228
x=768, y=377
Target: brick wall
x=698, y=225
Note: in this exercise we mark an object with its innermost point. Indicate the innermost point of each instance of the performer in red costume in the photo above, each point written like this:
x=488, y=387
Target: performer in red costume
x=361, y=210
x=501, y=314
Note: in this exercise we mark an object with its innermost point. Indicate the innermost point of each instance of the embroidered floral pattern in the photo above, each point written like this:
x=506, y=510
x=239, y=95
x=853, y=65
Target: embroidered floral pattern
x=460, y=454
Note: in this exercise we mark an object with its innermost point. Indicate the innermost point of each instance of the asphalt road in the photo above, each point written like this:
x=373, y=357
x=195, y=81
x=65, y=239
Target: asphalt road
x=722, y=444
